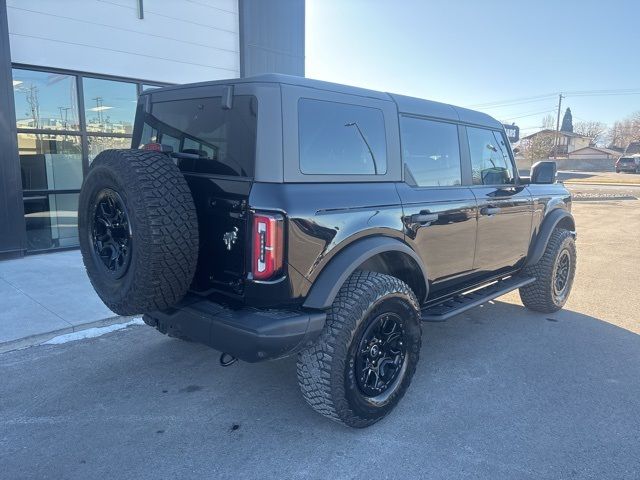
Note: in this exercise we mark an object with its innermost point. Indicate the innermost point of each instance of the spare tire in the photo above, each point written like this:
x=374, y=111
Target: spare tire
x=138, y=231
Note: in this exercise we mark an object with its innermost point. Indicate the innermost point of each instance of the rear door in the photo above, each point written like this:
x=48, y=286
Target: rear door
x=212, y=133
x=439, y=211
x=505, y=209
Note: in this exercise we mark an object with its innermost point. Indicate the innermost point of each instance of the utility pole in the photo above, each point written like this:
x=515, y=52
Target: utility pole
x=555, y=143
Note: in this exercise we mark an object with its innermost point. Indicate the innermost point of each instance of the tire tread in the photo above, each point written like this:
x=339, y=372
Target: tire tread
x=320, y=366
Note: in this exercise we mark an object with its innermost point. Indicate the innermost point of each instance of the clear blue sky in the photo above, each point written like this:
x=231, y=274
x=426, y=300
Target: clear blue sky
x=469, y=52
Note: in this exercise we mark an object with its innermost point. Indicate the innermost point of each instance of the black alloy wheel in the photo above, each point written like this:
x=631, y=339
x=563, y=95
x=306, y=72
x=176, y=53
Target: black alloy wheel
x=561, y=275
x=111, y=235
x=381, y=357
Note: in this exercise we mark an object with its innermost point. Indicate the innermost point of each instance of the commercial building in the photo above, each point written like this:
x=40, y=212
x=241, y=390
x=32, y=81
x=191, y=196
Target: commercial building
x=70, y=74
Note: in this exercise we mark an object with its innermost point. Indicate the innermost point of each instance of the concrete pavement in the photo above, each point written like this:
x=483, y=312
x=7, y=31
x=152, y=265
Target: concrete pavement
x=46, y=295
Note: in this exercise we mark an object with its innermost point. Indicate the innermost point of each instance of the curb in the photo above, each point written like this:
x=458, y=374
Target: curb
x=601, y=184
x=603, y=199
x=39, y=338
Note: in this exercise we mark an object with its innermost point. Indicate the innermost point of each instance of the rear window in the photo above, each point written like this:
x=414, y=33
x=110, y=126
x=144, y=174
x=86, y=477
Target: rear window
x=341, y=139
x=214, y=140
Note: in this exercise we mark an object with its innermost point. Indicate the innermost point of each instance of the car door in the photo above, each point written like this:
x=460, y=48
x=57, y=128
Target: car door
x=439, y=212
x=505, y=209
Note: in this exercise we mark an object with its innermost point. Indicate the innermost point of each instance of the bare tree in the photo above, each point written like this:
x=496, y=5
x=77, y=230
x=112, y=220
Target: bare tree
x=549, y=122
x=593, y=130
x=624, y=131
x=538, y=147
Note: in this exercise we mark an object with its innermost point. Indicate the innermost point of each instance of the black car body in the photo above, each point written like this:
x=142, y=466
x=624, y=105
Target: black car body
x=356, y=218
x=298, y=185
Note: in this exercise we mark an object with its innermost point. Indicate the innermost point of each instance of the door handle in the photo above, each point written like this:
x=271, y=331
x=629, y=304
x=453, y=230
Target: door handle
x=423, y=217
x=489, y=211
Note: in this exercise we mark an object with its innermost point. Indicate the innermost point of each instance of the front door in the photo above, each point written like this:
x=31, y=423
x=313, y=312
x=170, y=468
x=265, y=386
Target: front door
x=439, y=212
x=505, y=209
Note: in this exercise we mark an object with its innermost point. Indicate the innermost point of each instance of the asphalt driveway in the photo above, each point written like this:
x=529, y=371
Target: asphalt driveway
x=500, y=393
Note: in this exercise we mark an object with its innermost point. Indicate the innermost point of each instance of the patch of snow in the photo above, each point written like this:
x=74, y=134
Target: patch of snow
x=91, y=332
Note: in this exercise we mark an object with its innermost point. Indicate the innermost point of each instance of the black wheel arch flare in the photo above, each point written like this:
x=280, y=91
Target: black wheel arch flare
x=558, y=217
x=327, y=284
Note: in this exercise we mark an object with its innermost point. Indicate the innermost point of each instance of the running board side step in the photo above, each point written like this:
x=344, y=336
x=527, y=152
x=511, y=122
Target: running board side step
x=461, y=303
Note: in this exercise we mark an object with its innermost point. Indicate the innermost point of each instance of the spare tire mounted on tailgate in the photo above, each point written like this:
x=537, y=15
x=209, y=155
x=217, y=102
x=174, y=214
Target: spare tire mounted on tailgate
x=138, y=231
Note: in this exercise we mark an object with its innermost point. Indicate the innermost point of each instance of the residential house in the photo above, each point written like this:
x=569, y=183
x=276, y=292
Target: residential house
x=590, y=158
x=632, y=148
x=567, y=141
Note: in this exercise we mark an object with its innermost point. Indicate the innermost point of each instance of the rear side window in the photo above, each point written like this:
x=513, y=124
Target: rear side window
x=431, y=152
x=340, y=139
x=490, y=162
x=214, y=140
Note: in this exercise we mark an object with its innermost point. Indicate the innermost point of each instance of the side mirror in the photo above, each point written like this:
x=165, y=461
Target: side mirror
x=543, y=172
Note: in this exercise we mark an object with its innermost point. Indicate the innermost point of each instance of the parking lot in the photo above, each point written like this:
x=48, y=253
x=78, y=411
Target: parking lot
x=500, y=393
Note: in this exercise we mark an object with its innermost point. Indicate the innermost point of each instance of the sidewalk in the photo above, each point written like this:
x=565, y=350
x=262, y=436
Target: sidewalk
x=42, y=296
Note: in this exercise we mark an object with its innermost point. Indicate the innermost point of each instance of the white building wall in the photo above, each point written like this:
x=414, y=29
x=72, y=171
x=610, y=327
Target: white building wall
x=576, y=143
x=178, y=41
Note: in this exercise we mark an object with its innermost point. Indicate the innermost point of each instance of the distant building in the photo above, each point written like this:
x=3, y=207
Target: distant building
x=589, y=159
x=593, y=153
x=567, y=141
x=70, y=75
x=615, y=148
x=632, y=148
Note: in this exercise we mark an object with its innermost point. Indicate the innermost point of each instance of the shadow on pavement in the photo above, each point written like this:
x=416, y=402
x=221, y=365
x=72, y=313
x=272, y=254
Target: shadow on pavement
x=499, y=393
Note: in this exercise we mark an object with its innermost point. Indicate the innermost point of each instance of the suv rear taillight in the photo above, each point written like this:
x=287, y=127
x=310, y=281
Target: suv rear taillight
x=268, y=245
x=155, y=147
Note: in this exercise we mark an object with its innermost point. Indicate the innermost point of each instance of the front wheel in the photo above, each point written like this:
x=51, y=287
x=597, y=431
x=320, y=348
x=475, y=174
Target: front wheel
x=363, y=362
x=554, y=274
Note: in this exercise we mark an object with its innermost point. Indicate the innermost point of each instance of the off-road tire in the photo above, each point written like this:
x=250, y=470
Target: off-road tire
x=540, y=295
x=163, y=225
x=326, y=372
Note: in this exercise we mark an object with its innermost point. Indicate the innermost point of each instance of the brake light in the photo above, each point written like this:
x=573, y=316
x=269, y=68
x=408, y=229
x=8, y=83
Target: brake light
x=155, y=147
x=268, y=245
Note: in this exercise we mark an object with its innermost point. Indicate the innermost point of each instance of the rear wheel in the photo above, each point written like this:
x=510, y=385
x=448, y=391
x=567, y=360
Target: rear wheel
x=554, y=274
x=138, y=231
x=363, y=362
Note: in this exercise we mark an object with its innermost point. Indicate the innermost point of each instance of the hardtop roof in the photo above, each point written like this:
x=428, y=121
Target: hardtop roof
x=405, y=104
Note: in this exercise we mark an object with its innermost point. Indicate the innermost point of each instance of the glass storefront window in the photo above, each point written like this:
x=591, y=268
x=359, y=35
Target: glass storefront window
x=110, y=106
x=98, y=144
x=51, y=220
x=45, y=100
x=51, y=149
x=50, y=161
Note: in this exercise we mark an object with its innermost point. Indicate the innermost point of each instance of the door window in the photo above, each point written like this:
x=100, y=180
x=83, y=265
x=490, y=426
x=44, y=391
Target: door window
x=490, y=161
x=431, y=152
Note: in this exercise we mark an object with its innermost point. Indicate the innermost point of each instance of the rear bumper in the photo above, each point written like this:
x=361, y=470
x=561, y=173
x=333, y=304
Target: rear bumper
x=248, y=334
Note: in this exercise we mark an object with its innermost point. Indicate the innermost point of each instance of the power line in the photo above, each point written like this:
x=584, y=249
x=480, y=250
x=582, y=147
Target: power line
x=532, y=114
x=515, y=101
x=620, y=91
x=539, y=98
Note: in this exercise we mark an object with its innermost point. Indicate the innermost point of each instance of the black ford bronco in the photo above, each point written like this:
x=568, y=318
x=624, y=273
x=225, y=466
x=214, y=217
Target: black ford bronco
x=276, y=215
